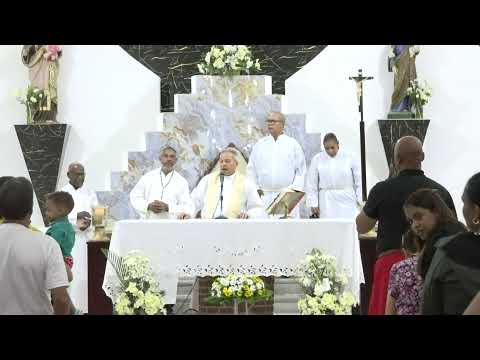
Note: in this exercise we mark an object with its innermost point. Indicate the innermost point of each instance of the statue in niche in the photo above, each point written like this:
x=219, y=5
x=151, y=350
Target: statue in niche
x=42, y=62
x=401, y=62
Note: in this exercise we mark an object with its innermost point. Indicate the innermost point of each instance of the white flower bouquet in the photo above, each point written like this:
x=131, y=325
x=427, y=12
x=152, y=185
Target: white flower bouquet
x=324, y=286
x=419, y=92
x=229, y=60
x=34, y=99
x=138, y=293
x=240, y=288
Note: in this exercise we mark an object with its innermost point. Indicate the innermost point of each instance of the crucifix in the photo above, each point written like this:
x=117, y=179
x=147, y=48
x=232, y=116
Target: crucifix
x=359, y=81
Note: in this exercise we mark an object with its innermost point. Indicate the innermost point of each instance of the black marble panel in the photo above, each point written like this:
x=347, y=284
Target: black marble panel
x=393, y=130
x=42, y=148
x=176, y=64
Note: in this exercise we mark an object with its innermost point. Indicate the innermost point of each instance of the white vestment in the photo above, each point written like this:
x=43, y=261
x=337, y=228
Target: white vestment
x=277, y=165
x=252, y=205
x=84, y=200
x=171, y=189
x=334, y=185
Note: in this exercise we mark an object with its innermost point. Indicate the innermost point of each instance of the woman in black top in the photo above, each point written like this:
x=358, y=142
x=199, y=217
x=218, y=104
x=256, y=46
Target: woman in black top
x=453, y=278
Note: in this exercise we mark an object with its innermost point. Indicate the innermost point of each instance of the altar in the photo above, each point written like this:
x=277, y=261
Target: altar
x=203, y=248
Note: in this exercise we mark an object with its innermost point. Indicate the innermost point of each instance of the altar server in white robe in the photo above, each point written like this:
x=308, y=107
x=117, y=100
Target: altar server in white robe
x=80, y=217
x=277, y=162
x=240, y=197
x=334, y=183
x=162, y=193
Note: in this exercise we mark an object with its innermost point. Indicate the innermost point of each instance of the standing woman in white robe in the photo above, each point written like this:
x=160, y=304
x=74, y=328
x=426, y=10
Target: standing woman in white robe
x=334, y=183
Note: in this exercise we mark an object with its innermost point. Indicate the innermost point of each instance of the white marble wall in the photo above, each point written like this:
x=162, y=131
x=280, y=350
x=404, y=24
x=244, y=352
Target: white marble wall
x=218, y=112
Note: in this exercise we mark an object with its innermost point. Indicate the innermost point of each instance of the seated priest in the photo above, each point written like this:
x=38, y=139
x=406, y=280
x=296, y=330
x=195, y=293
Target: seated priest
x=227, y=193
x=162, y=193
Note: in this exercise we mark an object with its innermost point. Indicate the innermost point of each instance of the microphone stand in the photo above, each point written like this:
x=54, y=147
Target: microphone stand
x=221, y=216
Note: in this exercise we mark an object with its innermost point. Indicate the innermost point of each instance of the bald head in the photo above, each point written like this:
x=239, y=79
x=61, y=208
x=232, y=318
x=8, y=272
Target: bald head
x=76, y=175
x=408, y=153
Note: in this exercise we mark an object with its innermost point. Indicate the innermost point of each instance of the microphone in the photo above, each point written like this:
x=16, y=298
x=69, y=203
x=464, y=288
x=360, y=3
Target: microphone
x=221, y=216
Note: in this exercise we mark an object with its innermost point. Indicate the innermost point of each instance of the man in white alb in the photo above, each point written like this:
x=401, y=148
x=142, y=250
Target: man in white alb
x=80, y=217
x=277, y=162
x=162, y=193
x=236, y=198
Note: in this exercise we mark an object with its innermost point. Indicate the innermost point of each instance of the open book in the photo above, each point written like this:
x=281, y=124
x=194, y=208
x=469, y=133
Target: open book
x=285, y=202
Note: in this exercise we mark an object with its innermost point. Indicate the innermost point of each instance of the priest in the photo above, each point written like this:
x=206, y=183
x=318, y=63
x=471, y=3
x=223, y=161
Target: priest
x=277, y=162
x=80, y=217
x=162, y=193
x=227, y=193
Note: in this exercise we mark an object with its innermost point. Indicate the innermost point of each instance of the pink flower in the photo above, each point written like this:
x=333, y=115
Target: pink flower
x=53, y=52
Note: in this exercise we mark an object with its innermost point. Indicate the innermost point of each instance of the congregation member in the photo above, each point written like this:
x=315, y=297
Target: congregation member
x=227, y=193
x=162, y=193
x=81, y=219
x=277, y=162
x=385, y=205
x=33, y=278
x=453, y=277
x=405, y=285
x=334, y=182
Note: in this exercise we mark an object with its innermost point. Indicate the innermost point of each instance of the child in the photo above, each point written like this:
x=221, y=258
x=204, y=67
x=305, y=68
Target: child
x=59, y=205
x=405, y=285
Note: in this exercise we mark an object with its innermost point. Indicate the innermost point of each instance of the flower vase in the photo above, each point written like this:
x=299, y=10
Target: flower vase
x=29, y=115
x=235, y=307
x=418, y=112
x=246, y=308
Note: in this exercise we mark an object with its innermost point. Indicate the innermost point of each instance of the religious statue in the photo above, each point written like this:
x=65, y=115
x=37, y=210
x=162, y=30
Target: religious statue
x=42, y=62
x=402, y=62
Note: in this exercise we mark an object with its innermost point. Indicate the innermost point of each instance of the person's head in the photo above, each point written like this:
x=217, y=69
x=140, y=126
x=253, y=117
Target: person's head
x=411, y=243
x=471, y=203
x=275, y=123
x=426, y=211
x=168, y=158
x=4, y=179
x=408, y=153
x=59, y=204
x=228, y=161
x=16, y=199
x=76, y=175
x=331, y=144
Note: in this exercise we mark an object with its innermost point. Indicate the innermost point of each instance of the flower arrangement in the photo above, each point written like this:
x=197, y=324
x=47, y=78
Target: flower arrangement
x=53, y=52
x=229, y=60
x=419, y=92
x=324, y=286
x=238, y=288
x=138, y=293
x=34, y=99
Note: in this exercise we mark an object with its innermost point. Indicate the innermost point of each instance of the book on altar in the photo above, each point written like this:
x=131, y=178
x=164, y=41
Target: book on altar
x=285, y=202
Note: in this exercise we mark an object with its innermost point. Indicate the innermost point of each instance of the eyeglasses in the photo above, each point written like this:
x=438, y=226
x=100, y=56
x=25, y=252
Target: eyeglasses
x=272, y=121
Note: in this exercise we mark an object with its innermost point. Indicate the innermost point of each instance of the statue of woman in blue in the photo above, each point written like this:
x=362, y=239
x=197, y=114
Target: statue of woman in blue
x=402, y=63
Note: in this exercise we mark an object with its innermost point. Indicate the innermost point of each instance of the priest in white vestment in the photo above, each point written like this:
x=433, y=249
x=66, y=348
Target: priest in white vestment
x=80, y=217
x=277, y=162
x=162, y=193
x=239, y=195
x=334, y=182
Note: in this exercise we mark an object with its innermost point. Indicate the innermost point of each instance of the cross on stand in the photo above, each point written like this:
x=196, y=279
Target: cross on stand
x=359, y=81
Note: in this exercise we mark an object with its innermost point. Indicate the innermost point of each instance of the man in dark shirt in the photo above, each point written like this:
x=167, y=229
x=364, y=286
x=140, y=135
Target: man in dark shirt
x=385, y=204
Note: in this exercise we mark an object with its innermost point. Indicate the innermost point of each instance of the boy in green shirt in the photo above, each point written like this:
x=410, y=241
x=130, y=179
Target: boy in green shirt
x=59, y=205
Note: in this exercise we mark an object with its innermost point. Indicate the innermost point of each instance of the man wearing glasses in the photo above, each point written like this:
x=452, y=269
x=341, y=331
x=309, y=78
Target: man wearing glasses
x=277, y=162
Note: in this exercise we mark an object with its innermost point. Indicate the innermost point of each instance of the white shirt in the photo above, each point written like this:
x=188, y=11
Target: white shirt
x=334, y=185
x=253, y=205
x=31, y=264
x=275, y=165
x=171, y=189
x=85, y=200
